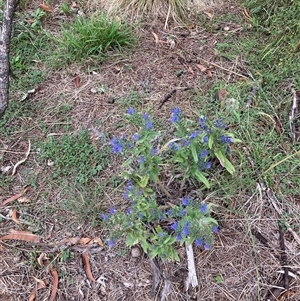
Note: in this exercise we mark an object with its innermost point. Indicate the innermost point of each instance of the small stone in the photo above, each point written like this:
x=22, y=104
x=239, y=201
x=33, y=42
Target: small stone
x=135, y=252
x=111, y=100
x=94, y=91
x=226, y=28
x=50, y=163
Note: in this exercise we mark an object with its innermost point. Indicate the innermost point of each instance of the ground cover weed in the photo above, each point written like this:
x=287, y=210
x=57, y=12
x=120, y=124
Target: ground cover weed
x=149, y=158
x=74, y=157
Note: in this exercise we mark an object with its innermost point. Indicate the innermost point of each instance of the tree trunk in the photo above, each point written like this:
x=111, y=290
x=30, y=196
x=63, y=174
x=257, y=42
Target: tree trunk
x=8, y=13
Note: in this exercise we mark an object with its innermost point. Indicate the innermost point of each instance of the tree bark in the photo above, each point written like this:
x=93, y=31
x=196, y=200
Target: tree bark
x=8, y=13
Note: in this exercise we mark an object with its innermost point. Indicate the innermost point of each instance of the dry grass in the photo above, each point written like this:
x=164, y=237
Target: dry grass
x=166, y=9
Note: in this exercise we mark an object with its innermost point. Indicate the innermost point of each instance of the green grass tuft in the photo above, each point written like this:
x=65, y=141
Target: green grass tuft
x=93, y=37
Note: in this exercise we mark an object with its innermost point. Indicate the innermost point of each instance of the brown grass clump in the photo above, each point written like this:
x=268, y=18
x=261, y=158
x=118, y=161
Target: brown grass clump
x=175, y=9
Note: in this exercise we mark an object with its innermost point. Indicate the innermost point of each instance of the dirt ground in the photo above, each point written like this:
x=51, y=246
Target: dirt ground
x=240, y=265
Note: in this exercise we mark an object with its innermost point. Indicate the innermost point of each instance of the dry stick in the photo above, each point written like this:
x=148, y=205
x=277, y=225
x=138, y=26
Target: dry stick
x=166, y=98
x=274, y=202
x=192, y=276
x=283, y=258
x=8, y=12
x=293, y=113
x=171, y=94
x=222, y=68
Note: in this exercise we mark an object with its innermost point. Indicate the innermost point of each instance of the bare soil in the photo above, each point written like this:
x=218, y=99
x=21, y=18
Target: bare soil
x=238, y=267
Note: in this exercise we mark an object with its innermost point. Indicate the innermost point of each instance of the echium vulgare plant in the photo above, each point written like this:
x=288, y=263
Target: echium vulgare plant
x=188, y=156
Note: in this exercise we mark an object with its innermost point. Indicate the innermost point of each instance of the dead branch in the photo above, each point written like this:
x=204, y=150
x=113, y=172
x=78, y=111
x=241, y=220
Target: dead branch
x=8, y=13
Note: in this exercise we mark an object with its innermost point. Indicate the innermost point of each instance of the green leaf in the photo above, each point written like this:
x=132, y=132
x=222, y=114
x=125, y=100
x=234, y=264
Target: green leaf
x=201, y=178
x=229, y=167
x=131, y=239
x=209, y=220
x=194, y=153
x=127, y=162
x=144, y=245
x=225, y=162
x=144, y=181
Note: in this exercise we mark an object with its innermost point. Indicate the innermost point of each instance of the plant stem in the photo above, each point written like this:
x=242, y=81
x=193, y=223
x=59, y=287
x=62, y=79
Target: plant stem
x=165, y=191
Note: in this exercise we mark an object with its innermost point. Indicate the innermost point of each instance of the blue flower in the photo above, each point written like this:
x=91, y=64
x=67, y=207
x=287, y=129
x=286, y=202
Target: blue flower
x=207, y=246
x=149, y=125
x=128, y=211
x=105, y=216
x=111, y=243
x=182, y=213
x=154, y=151
x=146, y=116
x=116, y=145
x=219, y=124
x=169, y=212
x=174, y=226
x=193, y=135
x=142, y=159
x=199, y=242
x=175, y=117
x=225, y=139
x=208, y=165
x=186, y=229
x=204, y=154
x=130, y=111
x=136, y=136
x=215, y=229
x=185, y=201
x=112, y=210
x=176, y=111
x=203, y=124
x=203, y=208
x=205, y=139
x=178, y=237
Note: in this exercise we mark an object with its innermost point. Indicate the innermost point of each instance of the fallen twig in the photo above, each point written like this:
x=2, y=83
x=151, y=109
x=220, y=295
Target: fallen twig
x=171, y=94
x=293, y=113
x=283, y=258
x=222, y=68
x=23, y=160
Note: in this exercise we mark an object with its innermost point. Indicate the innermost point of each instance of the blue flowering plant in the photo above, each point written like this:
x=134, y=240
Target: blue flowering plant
x=149, y=161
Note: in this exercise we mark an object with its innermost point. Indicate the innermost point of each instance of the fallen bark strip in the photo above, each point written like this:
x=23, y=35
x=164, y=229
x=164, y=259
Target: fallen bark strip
x=8, y=13
x=192, y=275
